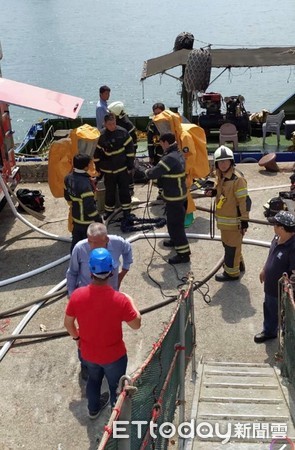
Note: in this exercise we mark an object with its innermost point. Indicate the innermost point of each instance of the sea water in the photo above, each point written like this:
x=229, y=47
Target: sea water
x=74, y=46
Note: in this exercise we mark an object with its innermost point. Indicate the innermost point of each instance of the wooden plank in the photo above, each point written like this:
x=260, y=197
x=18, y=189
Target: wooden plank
x=33, y=97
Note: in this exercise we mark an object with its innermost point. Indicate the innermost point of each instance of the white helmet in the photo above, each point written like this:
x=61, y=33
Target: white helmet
x=117, y=108
x=223, y=153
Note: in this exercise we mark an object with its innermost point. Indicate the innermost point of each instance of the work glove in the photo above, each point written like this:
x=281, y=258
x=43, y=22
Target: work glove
x=244, y=225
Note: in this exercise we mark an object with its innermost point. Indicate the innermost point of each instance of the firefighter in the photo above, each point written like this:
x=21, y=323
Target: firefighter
x=78, y=191
x=123, y=121
x=171, y=171
x=155, y=150
x=114, y=158
x=232, y=212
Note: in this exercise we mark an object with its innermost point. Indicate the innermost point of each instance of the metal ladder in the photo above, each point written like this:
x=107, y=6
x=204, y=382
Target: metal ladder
x=244, y=402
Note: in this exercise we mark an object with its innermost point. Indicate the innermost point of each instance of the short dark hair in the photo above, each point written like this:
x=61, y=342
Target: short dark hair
x=104, y=88
x=81, y=161
x=167, y=137
x=109, y=117
x=160, y=106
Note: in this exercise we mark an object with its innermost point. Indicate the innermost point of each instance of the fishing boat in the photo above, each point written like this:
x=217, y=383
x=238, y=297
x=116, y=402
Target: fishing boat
x=39, y=137
x=37, y=141
x=195, y=79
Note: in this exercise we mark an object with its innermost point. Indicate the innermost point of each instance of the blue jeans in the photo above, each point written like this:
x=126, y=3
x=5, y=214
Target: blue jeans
x=113, y=372
x=270, y=311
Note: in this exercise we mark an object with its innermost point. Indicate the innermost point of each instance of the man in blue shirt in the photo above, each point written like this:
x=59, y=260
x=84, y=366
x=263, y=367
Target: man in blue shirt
x=102, y=106
x=78, y=272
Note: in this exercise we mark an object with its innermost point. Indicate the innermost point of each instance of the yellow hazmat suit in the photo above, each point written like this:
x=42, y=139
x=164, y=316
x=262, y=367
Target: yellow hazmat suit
x=60, y=161
x=191, y=140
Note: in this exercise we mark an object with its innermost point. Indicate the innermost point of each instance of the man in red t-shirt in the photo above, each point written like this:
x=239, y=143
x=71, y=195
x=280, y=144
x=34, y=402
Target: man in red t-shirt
x=99, y=311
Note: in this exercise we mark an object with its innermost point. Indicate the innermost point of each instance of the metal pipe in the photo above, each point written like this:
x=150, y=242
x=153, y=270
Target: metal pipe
x=34, y=272
x=27, y=318
x=193, y=236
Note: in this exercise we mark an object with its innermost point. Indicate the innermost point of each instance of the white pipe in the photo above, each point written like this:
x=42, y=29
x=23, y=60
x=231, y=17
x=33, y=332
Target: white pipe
x=269, y=187
x=131, y=239
x=27, y=318
x=34, y=272
x=193, y=236
x=25, y=221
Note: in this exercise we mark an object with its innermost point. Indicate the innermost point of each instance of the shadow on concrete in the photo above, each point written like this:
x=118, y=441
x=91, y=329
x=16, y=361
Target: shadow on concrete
x=95, y=428
x=234, y=299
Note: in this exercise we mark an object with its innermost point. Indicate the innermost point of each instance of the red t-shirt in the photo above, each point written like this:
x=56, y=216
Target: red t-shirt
x=100, y=311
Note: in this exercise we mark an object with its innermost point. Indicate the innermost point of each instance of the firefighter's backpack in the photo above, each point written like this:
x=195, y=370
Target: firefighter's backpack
x=31, y=198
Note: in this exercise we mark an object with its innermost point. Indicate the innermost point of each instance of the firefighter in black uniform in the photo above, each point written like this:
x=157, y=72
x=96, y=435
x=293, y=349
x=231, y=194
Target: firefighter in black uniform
x=171, y=171
x=78, y=191
x=155, y=150
x=114, y=158
x=123, y=121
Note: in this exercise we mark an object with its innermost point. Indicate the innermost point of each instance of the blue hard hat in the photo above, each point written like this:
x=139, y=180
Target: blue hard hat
x=100, y=261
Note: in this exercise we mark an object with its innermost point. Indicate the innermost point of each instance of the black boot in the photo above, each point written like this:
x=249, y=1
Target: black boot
x=126, y=214
x=242, y=266
x=168, y=243
x=179, y=258
x=225, y=277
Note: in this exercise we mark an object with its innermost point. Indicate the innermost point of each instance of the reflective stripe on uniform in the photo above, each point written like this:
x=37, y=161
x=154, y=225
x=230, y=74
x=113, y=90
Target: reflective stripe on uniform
x=182, y=249
x=114, y=171
x=165, y=166
x=82, y=222
x=174, y=175
x=127, y=141
x=117, y=152
x=229, y=221
x=87, y=194
x=126, y=206
x=232, y=271
x=240, y=193
x=174, y=199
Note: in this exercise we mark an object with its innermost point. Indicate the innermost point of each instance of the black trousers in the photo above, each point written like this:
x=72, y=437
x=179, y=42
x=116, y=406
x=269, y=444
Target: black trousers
x=175, y=212
x=79, y=232
x=111, y=181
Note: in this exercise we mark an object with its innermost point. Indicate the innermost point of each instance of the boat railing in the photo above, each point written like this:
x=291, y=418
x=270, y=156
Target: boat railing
x=45, y=141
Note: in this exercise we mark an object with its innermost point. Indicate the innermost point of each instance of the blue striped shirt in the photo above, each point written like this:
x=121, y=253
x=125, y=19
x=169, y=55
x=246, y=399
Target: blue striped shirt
x=78, y=273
